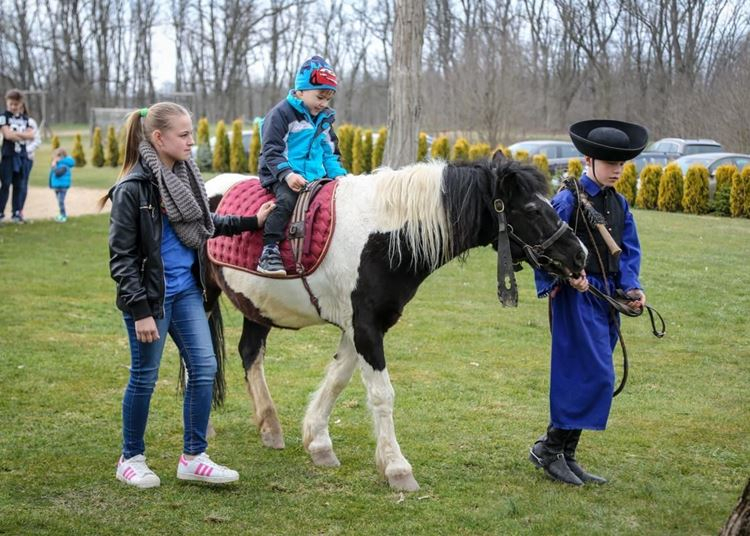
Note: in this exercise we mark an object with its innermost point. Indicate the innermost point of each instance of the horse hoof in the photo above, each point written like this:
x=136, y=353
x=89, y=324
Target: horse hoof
x=324, y=458
x=272, y=441
x=403, y=482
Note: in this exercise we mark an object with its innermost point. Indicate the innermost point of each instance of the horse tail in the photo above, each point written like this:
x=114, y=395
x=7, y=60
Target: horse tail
x=216, y=328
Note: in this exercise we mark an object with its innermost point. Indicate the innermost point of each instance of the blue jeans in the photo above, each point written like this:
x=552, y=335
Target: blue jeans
x=60, y=194
x=187, y=324
x=12, y=174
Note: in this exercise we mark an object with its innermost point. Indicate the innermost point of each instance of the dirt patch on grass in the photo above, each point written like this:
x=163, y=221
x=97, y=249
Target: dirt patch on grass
x=41, y=203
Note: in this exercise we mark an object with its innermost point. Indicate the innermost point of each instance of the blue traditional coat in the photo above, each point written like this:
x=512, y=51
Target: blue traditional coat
x=582, y=374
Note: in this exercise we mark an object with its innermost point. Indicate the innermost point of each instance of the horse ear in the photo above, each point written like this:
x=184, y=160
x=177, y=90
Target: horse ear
x=498, y=157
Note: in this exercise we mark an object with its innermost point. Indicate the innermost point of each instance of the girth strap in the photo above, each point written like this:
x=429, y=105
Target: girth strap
x=299, y=229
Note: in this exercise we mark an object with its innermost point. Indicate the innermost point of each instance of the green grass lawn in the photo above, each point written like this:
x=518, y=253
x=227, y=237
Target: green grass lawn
x=471, y=382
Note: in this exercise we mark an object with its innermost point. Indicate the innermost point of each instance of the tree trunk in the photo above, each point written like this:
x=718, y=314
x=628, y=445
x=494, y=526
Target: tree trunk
x=404, y=99
x=738, y=523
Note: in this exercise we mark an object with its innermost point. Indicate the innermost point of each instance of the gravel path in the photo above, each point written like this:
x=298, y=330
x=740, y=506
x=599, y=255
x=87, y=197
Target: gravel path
x=41, y=203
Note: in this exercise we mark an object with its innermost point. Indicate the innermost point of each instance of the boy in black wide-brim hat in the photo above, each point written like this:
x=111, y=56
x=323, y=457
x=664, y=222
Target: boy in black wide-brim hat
x=584, y=332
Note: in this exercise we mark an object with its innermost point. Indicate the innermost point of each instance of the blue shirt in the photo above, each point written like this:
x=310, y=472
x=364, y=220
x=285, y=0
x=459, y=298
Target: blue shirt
x=178, y=260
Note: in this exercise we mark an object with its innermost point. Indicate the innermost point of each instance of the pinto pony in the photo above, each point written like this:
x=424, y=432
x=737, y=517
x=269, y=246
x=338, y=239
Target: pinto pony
x=393, y=229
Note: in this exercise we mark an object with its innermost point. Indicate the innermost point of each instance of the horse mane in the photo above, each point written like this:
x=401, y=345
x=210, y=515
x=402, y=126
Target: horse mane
x=470, y=187
x=409, y=205
x=436, y=209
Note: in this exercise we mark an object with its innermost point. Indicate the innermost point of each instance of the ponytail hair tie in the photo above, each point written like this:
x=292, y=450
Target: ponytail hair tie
x=143, y=112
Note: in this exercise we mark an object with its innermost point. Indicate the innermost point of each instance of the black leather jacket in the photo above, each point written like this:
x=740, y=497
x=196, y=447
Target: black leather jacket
x=135, y=231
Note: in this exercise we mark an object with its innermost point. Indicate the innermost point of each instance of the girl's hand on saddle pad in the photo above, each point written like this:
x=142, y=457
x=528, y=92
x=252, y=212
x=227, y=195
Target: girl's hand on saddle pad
x=145, y=330
x=581, y=283
x=263, y=212
x=295, y=181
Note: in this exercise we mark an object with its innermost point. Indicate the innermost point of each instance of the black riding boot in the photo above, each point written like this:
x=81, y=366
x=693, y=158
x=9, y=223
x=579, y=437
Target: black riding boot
x=547, y=453
x=570, y=458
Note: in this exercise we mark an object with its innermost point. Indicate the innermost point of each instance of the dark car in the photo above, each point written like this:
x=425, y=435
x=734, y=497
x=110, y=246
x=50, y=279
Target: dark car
x=713, y=161
x=647, y=158
x=676, y=147
x=557, y=152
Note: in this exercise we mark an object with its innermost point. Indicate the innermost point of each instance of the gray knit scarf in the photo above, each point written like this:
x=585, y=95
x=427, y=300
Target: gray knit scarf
x=183, y=195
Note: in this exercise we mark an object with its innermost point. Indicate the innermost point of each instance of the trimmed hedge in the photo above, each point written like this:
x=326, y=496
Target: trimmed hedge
x=540, y=162
x=522, y=156
x=479, y=150
x=97, y=157
x=113, y=148
x=575, y=168
x=237, y=158
x=220, y=161
x=367, y=151
x=723, y=176
x=358, y=160
x=345, y=135
x=460, y=149
x=739, y=197
x=422, y=147
x=379, y=150
x=695, y=196
x=78, y=155
x=648, y=193
x=440, y=148
x=253, y=156
x=670, y=189
x=203, y=157
x=627, y=183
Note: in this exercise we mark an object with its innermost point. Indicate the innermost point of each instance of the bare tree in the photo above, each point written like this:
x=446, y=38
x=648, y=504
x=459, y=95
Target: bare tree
x=404, y=96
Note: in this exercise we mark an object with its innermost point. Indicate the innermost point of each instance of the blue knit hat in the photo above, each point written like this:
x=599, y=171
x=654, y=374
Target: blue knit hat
x=315, y=73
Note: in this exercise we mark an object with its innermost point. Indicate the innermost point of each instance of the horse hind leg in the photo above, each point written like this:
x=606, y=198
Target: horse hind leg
x=252, y=348
x=315, y=436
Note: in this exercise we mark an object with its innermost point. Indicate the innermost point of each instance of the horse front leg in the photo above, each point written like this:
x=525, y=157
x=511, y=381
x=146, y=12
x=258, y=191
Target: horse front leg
x=315, y=436
x=380, y=397
x=252, y=348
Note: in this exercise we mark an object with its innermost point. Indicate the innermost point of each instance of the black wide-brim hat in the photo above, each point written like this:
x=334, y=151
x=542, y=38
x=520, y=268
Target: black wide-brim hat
x=607, y=139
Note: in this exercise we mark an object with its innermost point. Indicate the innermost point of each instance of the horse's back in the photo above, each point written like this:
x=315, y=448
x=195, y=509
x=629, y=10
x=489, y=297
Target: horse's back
x=219, y=185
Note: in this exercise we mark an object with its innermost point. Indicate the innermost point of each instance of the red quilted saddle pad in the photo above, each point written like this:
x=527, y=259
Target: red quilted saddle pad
x=242, y=251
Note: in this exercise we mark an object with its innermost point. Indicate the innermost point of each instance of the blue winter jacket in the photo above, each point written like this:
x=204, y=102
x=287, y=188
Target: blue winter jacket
x=63, y=167
x=292, y=140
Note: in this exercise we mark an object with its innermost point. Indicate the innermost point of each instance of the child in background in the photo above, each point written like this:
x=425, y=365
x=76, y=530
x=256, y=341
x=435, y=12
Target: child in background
x=16, y=131
x=60, y=178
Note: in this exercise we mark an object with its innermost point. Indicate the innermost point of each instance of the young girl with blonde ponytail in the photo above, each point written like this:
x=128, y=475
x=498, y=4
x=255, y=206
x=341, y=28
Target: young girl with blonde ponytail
x=159, y=222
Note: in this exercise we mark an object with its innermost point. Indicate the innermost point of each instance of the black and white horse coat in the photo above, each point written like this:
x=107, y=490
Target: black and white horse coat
x=393, y=228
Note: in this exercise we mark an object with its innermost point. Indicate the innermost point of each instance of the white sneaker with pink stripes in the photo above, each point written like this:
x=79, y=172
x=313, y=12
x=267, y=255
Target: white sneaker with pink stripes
x=135, y=472
x=202, y=469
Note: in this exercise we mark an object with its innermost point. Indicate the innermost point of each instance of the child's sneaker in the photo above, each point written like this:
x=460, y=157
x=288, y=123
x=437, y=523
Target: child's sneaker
x=135, y=472
x=270, y=261
x=202, y=469
x=60, y=218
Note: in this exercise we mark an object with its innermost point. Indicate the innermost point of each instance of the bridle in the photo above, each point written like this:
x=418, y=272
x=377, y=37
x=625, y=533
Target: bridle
x=507, y=291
